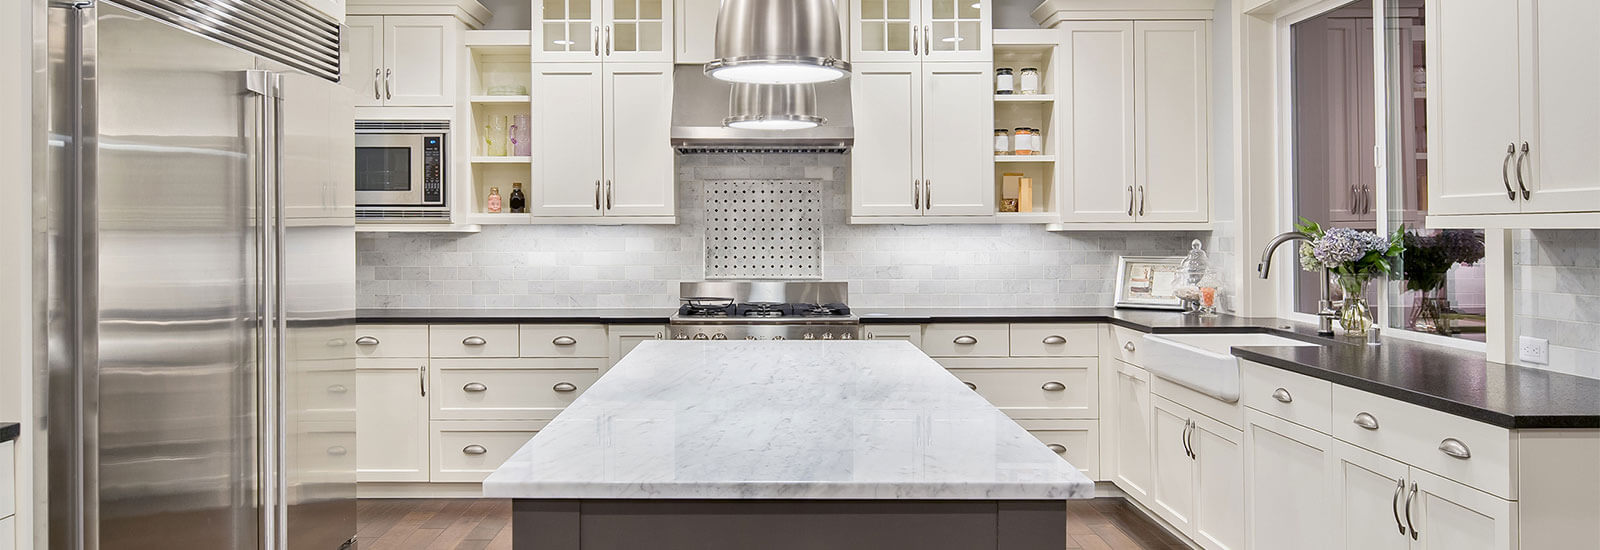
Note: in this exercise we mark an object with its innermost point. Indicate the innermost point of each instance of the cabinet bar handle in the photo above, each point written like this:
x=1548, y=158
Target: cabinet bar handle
x=1130, y=200
x=970, y=386
x=1282, y=395
x=1054, y=340
x=596, y=194
x=916, y=194
x=927, y=39
x=388, y=83
x=594, y=38
x=1366, y=420
x=914, y=41
x=422, y=380
x=1520, y=156
x=473, y=450
x=608, y=39
x=473, y=341
x=1187, y=450
x=1410, y=497
x=611, y=190
x=927, y=194
x=376, y=75
x=1354, y=200
x=1053, y=386
x=1394, y=504
x=1141, y=200
x=1454, y=447
x=1510, y=150
x=1057, y=448
x=474, y=387
x=1128, y=346
x=564, y=341
x=564, y=387
x=367, y=341
x=965, y=340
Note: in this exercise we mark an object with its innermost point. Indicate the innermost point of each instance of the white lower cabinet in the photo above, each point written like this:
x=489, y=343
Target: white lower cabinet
x=909, y=333
x=392, y=419
x=468, y=451
x=1449, y=515
x=1173, y=496
x=1287, y=471
x=1077, y=441
x=8, y=533
x=1218, y=454
x=1132, y=428
x=621, y=339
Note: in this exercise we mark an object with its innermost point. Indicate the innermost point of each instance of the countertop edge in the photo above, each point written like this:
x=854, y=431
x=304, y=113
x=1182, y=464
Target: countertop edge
x=10, y=431
x=847, y=490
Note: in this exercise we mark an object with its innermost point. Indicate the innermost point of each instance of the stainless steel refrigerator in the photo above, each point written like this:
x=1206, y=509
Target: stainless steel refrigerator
x=199, y=284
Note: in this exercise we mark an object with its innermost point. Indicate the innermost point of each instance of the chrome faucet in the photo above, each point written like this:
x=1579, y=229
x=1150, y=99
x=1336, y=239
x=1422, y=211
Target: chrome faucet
x=1325, y=312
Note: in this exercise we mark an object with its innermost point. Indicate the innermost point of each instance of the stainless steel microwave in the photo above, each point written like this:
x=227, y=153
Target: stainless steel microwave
x=401, y=170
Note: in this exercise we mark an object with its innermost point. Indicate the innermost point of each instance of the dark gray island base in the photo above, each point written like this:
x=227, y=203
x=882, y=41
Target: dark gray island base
x=684, y=524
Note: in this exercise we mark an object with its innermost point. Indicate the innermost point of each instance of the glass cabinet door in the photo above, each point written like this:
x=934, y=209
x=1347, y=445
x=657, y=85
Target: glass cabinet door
x=638, y=30
x=567, y=30
x=886, y=30
x=956, y=30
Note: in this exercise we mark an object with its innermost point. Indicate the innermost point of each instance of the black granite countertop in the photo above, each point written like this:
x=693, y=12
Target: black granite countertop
x=9, y=431
x=1437, y=377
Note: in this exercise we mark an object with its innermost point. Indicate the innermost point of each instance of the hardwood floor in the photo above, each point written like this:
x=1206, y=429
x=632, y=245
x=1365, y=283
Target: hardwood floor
x=484, y=524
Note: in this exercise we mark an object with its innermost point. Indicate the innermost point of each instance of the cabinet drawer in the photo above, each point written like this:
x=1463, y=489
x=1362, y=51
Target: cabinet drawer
x=8, y=478
x=1066, y=391
x=391, y=341
x=317, y=343
x=470, y=451
x=1294, y=397
x=1125, y=342
x=8, y=532
x=323, y=452
x=472, y=340
x=1231, y=414
x=1054, y=340
x=323, y=390
x=967, y=340
x=909, y=333
x=1415, y=435
x=520, y=389
x=563, y=341
x=1077, y=441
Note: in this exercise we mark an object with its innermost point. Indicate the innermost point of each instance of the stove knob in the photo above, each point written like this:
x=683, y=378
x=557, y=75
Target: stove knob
x=700, y=336
x=751, y=338
x=809, y=336
x=846, y=336
x=827, y=336
x=779, y=338
x=719, y=336
x=681, y=336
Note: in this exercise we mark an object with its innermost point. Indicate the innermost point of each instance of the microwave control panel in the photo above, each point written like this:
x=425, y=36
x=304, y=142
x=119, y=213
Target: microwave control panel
x=432, y=171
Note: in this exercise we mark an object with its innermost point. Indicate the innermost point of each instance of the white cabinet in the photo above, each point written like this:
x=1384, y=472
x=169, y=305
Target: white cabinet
x=922, y=147
x=1381, y=503
x=392, y=419
x=1131, y=429
x=1449, y=515
x=609, y=125
x=621, y=339
x=610, y=30
x=1198, y=466
x=927, y=30
x=1137, y=128
x=1369, y=492
x=1287, y=468
x=402, y=60
x=695, y=30
x=909, y=333
x=1173, y=496
x=1513, y=125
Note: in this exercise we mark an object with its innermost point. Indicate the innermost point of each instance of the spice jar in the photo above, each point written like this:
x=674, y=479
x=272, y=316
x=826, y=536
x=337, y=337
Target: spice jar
x=1030, y=80
x=1022, y=142
x=1002, y=142
x=1036, y=140
x=1003, y=81
x=493, y=204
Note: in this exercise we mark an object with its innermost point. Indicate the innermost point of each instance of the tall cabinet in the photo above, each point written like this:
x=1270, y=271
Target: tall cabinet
x=602, y=104
x=922, y=145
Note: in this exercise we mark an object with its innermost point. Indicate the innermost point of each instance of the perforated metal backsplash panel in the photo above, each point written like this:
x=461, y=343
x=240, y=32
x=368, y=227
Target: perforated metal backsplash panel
x=770, y=229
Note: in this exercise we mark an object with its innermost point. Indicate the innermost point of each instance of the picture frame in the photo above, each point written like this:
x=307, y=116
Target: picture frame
x=1145, y=282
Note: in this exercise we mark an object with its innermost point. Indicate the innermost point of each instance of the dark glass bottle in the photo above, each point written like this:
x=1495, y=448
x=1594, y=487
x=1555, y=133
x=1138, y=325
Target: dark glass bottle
x=519, y=204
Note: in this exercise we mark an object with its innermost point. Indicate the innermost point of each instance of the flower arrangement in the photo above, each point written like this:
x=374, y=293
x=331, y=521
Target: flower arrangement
x=1354, y=258
x=1429, y=257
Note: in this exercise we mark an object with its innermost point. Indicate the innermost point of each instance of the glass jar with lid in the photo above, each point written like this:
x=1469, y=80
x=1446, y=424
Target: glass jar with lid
x=1002, y=141
x=1029, y=78
x=1022, y=141
x=1004, y=83
x=1196, y=282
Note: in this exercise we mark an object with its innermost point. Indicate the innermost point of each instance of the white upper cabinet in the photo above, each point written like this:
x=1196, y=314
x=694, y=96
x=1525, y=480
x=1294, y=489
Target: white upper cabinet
x=886, y=161
x=1137, y=129
x=567, y=125
x=361, y=66
x=608, y=124
x=401, y=60
x=957, y=147
x=922, y=141
x=1512, y=117
x=610, y=30
x=920, y=30
x=639, y=158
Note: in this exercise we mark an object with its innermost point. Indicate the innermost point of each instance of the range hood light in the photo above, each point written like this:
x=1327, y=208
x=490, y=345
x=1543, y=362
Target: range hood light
x=772, y=124
x=778, y=42
x=772, y=107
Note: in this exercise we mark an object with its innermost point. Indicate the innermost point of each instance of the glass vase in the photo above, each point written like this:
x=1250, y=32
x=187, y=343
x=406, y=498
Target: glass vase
x=1430, y=312
x=1354, y=314
x=494, y=136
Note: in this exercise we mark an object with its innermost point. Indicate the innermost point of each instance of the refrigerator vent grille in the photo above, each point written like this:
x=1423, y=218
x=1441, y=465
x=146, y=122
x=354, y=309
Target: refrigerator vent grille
x=403, y=125
x=764, y=229
x=285, y=31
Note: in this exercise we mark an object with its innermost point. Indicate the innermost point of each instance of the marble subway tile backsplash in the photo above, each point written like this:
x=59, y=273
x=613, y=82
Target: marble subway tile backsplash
x=641, y=265
x=1556, y=284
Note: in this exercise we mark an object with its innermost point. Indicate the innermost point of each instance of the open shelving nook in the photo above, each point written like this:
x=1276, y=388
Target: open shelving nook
x=1017, y=49
x=500, y=79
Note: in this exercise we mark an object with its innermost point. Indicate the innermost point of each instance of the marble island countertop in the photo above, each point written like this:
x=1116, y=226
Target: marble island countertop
x=783, y=420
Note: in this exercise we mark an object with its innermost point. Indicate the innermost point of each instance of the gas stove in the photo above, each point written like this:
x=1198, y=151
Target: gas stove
x=764, y=310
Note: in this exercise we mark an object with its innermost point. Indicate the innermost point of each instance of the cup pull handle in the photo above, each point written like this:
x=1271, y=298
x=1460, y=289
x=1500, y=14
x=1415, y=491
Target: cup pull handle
x=475, y=387
x=564, y=341
x=965, y=340
x=336, y=343
x=970, y=386
x=337, y=450
x=474, y=450
x=1054, y=340
x=473, y=341
x=1053, y=386
x=338, y=388
x=1057, y=448
x=1282, y=395
x=367, y=341
x=1128, y=346
x=1454, y=447
x=1366, y=420
x=564, y=387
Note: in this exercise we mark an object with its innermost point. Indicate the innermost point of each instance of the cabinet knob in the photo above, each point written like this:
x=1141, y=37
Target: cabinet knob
x=1127, y=346
x=1454, y=447
x=1282, y=395
x=970, y=386
x=474, y=341
x=1057, y=448
x=474, y=387
x=564, y=387
x=473, y=450
x=337, y=450
x=1053, y=386
x=564, y=341
x=1366, y=420
x=965, y=340
x=367, y=341
x=1054, y=340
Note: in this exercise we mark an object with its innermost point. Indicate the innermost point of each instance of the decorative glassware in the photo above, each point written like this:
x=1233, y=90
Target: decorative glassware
x=1354, y=315
x=494, y=136
x=519, y=135
x=1196, y=282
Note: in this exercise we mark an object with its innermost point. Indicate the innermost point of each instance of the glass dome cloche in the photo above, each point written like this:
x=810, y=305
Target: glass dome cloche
x=1196, y=282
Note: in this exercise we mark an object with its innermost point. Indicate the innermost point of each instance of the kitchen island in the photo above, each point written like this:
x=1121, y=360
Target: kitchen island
x=778, y=445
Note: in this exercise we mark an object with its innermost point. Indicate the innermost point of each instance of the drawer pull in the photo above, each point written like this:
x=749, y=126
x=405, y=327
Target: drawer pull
x=965, y=340
x=1054, y=340
x=1053, y=386
x=564, y=387
x=564, y=341
x=1411, y=496
x=367, y=341
x=1366, y=420
x=1057, y=448
x=474, y=387
x=1128, y=346
x=337, y=450
x=1454, y=447
x=338, y=388
x=970, y=386
x=473, y=341
x=336, y=343
x=473, y=450
x=1282, y=395
x=1394, y=504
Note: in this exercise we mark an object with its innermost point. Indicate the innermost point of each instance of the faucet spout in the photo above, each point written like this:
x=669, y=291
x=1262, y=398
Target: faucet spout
x=1265, y=267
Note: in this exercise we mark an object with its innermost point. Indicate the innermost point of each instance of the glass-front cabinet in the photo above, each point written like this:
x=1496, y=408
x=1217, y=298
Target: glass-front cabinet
x=925, y=30
x=611, y=30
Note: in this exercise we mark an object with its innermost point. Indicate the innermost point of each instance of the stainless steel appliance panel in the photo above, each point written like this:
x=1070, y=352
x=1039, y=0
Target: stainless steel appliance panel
x=400, y=169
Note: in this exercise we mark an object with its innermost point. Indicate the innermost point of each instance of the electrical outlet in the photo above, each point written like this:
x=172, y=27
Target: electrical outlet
x=1533, y=350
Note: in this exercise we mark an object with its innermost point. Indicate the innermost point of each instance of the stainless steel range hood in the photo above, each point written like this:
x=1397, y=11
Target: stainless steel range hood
x=700, y=103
